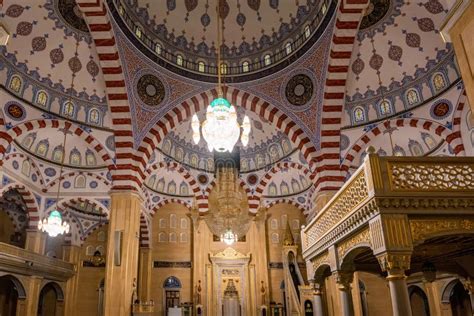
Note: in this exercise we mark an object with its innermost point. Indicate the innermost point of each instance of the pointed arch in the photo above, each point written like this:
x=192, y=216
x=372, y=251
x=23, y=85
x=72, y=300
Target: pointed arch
x=32, y=207
x=28, y=126
x=290, y=202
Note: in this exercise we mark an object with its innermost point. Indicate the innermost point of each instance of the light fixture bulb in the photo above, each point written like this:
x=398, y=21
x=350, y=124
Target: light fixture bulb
x=54, y=225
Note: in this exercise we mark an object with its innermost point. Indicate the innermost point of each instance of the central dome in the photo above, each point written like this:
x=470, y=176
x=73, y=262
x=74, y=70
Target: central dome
x=256, y=34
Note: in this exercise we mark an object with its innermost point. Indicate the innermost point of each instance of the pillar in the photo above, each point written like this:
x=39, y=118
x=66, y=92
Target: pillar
x=35, y=241
x=469, y=286
x=71, y=254
x=122, y=252
x=395, y=264
x=144, y=274
x=344, y=280
x=318, y=302
x=33, y=289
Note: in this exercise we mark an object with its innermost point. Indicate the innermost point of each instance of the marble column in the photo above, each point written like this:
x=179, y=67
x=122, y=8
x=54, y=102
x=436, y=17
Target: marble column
x=318, y=303
x=71, y=254
x=344, y=280
x=33, y=289
x=122, y=253
x=399, y=292
x=144, y=277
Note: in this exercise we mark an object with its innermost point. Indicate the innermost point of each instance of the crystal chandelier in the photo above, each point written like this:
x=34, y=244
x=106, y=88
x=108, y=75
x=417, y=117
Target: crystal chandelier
x=54, y=224
x=221, y=129
x=228, y=215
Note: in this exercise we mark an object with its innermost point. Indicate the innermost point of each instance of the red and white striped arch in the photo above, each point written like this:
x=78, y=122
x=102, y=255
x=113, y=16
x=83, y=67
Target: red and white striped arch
x=170, y=201
x=457, y=116
x=451, y=137
x=241, y=98
x=32, y=207
x=287, y=201
x=34, y=167
x=97, y=17
x=29, y=126
x=348, y=16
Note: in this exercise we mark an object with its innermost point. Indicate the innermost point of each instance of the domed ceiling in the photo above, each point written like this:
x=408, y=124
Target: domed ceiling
x=266, y=145
x=256, y=34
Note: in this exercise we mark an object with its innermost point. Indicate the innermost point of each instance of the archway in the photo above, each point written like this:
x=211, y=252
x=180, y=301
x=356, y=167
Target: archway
x=172, y=289
x=11, y=291
x=50, y=300
x=418, y=301
x=460, y=301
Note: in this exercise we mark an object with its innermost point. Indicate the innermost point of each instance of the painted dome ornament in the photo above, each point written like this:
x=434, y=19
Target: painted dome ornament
x=54, y=225
x=221, y=129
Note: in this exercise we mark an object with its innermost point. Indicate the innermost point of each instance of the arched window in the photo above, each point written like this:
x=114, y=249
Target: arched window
x=201, y=66
x=160, y=187
x=295, y=186
x=385, y=107
x=68, y=109
x=194, y=160
x=167, y=146
x=412, y=97
x=179, y=60
x=359, y=114
x=94, y=116
x=184, y=223
x=288, y=48
x=245, y=66
x=28, y=140
x=42, y=148
x=162, y=223
x=183, y=188
x=15, y=84
x=26, y=168
x=223, y=68
x=75, y=157
x=275, y=238
x=80, y=181
x=415, y=148
x=172, y=187
x=274, y=223
x=183, y=237
x=173, y=221
x=173, y=237
x=41, y=98
x=151, y=181
x=295, y=224
x=284, y=188
x=398, y=151
x=158, y=48
x=439, y=81
x=429, y=140
x=272, y=189
x=304, y=181
x=162, y=237
x=90, y=158
x=58, y=154
x=307, y=31
x=267, y=59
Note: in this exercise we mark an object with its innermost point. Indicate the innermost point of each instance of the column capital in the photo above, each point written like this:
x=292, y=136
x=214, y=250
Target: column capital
x=468, y=285
x=344, y=279
x=394, y=263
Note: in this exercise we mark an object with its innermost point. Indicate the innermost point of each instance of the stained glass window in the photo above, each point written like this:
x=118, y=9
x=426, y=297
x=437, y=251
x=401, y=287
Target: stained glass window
x=359, y=114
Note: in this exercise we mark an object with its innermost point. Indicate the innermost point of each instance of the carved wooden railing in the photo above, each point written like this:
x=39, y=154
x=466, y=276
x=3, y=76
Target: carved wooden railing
x=18, y=260
x=407, y=184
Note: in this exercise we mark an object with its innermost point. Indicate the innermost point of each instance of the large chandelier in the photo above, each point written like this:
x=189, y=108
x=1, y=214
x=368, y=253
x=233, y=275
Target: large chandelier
x=228, y=216
x=54, y=224
x=221, y=129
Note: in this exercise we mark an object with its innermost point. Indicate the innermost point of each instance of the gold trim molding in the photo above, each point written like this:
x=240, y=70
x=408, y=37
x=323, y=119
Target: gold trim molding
x=422, y=229
x=361, y=238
